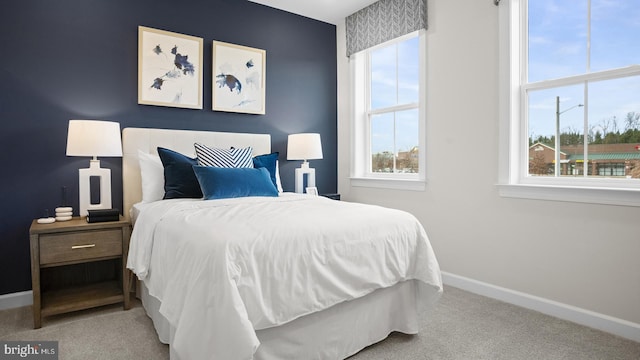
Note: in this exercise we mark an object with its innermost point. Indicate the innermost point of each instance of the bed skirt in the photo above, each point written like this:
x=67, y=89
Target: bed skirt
x=335, y=333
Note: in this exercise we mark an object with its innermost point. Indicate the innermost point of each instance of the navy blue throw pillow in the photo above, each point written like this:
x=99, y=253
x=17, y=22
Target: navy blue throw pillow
x=179, y=179
x=269, y=162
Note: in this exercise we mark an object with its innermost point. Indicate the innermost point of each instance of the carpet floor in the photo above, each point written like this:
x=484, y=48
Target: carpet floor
x=463, y=326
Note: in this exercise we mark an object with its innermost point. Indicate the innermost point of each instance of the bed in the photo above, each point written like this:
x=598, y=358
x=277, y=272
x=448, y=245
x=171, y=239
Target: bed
x=288, y=276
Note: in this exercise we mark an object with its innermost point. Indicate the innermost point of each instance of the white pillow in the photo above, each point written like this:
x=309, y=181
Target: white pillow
x=152, y=174
x=278, y=176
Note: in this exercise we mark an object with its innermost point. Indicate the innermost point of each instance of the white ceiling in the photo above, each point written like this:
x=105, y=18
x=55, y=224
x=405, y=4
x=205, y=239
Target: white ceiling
x=331, y=11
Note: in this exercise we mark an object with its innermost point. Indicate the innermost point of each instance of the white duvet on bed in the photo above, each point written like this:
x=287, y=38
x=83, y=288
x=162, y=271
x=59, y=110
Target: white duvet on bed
x=225, y=268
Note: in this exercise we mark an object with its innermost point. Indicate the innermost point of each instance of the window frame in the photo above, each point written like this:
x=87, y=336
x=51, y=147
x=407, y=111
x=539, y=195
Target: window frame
x=513, y=127
x=361, y=174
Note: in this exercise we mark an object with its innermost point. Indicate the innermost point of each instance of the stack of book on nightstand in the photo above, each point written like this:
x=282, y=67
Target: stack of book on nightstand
x=103, y=215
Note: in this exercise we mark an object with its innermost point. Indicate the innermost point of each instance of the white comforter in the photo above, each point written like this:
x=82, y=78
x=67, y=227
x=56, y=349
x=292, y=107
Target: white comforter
x=225, y=268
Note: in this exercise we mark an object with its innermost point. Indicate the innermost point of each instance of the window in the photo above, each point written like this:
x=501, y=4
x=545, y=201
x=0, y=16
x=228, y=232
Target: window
x=573, y=85
x=389, y=113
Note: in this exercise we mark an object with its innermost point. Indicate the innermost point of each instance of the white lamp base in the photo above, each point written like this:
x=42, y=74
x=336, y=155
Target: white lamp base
x=85, y=187
x=311, y=178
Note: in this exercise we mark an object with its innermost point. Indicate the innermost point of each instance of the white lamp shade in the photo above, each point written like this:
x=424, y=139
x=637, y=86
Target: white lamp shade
x=304, y=147
x=94, y=138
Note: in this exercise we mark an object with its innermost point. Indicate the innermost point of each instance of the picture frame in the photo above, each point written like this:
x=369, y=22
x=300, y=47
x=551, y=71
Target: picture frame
x=312, y=190
x=239, y=78
x=169, y=69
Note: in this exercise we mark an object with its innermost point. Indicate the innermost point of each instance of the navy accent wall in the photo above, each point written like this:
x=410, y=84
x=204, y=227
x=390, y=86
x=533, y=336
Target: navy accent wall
x=77, y=59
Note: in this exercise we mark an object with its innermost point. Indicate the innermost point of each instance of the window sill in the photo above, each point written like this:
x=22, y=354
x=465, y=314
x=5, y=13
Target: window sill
x=395, y=184
x=606, y=196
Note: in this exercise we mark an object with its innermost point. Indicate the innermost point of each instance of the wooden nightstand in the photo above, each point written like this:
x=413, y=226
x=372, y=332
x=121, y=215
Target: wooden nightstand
x=63, y=245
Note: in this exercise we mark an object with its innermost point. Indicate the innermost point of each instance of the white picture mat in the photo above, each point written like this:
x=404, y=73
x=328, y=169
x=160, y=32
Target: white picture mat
x=247, y=65
x=177, y=89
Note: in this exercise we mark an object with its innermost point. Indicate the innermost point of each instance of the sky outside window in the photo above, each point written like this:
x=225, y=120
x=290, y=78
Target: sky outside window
x=394, y=81
x=559, y=35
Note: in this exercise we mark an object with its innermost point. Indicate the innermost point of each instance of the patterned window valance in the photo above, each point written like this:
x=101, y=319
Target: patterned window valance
x=383, y=21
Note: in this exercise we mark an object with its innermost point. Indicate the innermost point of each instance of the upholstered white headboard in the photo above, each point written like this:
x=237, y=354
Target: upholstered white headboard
x=148, y=140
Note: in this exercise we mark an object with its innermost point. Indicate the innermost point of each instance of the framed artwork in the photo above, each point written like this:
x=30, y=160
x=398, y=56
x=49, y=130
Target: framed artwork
x=169, y=69
x=238, y=78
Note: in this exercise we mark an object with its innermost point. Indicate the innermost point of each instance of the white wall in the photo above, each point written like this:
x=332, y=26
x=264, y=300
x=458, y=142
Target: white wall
x=582, y=255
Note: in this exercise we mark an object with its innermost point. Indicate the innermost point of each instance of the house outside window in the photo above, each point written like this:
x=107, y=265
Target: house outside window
x=572, y=79
x=388, y=85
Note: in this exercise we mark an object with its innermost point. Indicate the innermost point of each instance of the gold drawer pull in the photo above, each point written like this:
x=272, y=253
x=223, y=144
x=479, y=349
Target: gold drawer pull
x=83, y=246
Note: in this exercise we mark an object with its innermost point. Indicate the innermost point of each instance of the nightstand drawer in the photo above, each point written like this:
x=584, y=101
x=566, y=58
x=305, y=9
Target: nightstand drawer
x=80, y=246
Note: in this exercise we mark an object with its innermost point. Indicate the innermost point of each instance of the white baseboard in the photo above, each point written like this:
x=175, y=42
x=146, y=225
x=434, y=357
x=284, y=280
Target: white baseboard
x=612, y=325
x=14, y=300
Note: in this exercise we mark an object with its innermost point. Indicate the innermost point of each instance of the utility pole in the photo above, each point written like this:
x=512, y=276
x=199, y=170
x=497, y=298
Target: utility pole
x=557, y=149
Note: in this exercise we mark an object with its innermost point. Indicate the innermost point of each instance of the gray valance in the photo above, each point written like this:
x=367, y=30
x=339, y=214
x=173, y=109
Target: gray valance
x=382, y=21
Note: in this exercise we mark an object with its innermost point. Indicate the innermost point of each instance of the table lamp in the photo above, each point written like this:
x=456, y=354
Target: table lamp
x=94, y=138
x=306, y=146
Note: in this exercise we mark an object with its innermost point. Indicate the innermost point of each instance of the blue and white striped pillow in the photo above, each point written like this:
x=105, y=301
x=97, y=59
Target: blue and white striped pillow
x=224, y=158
